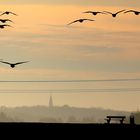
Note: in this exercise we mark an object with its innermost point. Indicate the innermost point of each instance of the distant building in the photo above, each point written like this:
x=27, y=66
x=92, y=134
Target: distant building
x=50, y=102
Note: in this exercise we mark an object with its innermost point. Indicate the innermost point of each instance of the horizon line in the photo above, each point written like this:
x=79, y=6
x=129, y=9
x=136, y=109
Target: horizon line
x=68, y=81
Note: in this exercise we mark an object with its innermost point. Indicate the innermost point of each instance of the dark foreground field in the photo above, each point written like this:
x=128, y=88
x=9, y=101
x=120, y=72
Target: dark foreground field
x=60, y=130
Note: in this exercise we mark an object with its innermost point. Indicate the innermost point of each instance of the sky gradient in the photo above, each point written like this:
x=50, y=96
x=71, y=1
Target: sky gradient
x=107, y=48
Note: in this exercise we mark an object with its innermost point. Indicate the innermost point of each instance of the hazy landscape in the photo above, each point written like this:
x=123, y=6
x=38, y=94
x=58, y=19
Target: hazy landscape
x=84, y=54
x=57, y=114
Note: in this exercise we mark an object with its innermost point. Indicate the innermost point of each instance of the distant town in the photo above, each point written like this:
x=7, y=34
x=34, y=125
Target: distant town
x=59, y=114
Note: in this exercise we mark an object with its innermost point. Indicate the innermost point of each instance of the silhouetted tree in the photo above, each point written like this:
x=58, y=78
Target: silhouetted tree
x=5, y=118
x=137, y=117
x=51, y=120
x=88, y=120
x=72, y=119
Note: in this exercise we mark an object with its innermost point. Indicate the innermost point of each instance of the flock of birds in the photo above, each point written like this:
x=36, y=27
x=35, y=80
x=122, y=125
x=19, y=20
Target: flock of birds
x=12, y=65
x=104, y=12
x=4, y=21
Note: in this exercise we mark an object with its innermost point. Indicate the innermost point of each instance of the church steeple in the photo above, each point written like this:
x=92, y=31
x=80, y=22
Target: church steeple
x=50, y=102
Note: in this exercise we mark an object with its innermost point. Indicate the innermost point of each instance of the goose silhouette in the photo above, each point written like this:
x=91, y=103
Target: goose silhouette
x=5, y=20
x=114, y=14
x=13, y=64
x=80, y=20
x=7, y=13
x=94, y=12
x=135, y=12
x=4, y=25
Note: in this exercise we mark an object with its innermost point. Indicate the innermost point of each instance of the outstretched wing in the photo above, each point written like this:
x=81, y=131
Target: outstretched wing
x=88, y=12
x=89, y=19
x=7, y=25
x=120, y=11
x=3, y=13
x=21, y=62
x=107, y=12
x=72, y=22
x=101, y=13
x=8, y=20
x=5, y=62
x=13, y=13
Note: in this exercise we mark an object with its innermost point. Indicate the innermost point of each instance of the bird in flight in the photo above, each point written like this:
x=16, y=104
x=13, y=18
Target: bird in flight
x=94, y=12
x=7, y=13
x=5, y=20
x=114, y=14
x=135, y=12
x=80, y=20
x=13, y=64
x=4, y=25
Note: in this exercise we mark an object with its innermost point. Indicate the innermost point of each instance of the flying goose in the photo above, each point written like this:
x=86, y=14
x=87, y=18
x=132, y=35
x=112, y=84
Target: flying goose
x=13, y=64
x=94, y=12
x=5, y=20
x=80, y=20
x=114, y=14
x=7, y=13
x=4, y=25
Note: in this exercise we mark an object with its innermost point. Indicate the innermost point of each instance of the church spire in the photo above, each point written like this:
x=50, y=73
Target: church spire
x=50, y=102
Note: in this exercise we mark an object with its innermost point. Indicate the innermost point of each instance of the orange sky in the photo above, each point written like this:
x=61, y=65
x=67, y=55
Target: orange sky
x=107, y=48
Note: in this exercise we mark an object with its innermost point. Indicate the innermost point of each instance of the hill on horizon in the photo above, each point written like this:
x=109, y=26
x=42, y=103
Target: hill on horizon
x=59, y=114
